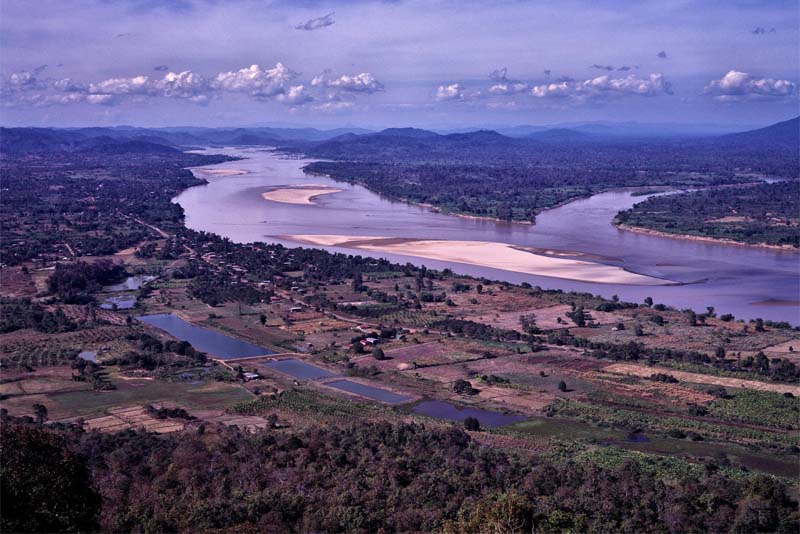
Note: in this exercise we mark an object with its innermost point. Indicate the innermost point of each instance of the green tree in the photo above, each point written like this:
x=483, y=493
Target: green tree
x=562, y=386
x=40, y=412
x=45, y=486
x=464, y=387
x=472, y=424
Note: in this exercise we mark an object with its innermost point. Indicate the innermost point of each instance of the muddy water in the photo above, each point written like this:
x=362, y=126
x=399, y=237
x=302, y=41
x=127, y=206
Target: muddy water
x=746, y=282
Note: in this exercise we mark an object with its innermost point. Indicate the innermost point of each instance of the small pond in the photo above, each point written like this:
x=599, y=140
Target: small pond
x=451, y=412
x=299, y=369
x=370, y=392
x=131, y=283
x=119, y=303
x=203, y=339
x=88, y=355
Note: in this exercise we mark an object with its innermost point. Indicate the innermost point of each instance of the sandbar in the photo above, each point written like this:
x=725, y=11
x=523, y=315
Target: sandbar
x=501, y=256
x=221, y=172
x=303, y=194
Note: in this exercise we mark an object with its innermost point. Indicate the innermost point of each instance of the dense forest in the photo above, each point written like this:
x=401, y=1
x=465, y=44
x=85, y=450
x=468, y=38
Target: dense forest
x=364, y=477
x=64, y=203
x=490, y=175
x=764, y=213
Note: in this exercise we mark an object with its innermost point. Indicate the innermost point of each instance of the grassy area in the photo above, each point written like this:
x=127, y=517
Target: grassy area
x=198, y=396
x=630, y=420
x=671, y=457
x=758, y=407
x=306, y=402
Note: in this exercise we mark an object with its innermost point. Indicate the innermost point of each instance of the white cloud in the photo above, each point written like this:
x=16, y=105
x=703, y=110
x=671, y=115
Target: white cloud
x=184, y=84
x=504, y=85
x=296, y=95
x=256, y=81
x=736, y=86
x=605, y=87
x=508, y=88
x=274, y=84
x=552, y=90
x=67, y=85
x=100, y=99
x=453, y=91
x=24, y=79
x=358, y=83
x=138, y=85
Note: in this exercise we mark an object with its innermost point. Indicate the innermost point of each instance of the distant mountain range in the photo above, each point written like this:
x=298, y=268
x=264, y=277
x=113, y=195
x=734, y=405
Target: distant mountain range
x=786, y=133
x=38, y=139
x=355, y=142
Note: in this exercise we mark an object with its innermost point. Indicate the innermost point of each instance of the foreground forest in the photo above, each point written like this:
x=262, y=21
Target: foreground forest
x=615, y=416
x=354, y=478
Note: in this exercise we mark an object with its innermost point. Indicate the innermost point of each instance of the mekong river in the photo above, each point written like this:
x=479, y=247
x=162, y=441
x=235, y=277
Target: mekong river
x=747, y=282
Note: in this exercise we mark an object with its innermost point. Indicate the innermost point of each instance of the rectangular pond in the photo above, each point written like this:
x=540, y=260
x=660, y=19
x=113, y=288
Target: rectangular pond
x=451, y=412
x=299, y=369
x=370, y=392
x=214, y=343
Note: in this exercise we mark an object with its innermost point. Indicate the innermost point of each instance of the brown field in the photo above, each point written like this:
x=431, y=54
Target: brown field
x=425, y=354
x=54, y=388
x=644, y=371
x=678, y=334
x=526, y=401
x=83, y=314
x=646, y=389
x=15, y=283
x=781, y=350
x=44, y=380
x=125, y=417
x=249, y=422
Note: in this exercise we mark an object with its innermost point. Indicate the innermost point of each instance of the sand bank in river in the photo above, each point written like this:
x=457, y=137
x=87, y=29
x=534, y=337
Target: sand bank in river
x=487, y=254
x=302, y=194
x=221, y=172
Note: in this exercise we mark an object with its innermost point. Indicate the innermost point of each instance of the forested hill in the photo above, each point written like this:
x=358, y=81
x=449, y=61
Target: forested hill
x=487, y=174
x=786, y=133
x=410, y=144
x=26, y=140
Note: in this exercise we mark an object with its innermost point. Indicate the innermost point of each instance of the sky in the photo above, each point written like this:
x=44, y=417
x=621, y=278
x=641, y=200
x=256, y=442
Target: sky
x=435, y=64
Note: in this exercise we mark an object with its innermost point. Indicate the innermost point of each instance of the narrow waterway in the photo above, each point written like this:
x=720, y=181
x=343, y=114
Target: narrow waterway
x=746, y=282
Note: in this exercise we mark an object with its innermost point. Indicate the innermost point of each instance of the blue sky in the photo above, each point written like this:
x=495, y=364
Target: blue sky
x=376, y=64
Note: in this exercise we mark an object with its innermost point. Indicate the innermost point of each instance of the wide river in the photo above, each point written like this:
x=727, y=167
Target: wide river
x=747, y=282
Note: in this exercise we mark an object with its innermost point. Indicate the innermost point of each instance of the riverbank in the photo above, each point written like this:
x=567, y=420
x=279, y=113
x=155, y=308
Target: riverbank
x=714, y=240
x=487, y=254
